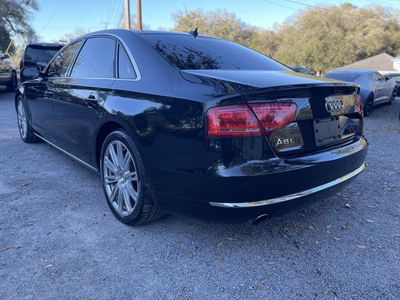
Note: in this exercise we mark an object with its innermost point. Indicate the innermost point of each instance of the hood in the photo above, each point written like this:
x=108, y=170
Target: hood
x=245, y=80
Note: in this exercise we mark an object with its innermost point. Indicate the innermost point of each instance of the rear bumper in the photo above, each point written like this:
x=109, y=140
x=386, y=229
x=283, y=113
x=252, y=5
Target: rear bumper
x=292, y=196
x=245, y=191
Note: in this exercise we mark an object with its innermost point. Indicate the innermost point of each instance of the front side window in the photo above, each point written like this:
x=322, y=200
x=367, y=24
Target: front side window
x=59, y=65
x=96, y=59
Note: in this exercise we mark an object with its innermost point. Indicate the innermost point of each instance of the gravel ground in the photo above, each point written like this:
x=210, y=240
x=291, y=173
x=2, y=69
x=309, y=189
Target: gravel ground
x=59, y=240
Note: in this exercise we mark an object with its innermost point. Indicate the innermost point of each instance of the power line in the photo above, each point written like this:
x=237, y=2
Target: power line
x=94, y=2
x=321, y=7
x=51, y=16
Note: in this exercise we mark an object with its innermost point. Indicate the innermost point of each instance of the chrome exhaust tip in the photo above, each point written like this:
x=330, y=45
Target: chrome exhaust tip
x=260, y=218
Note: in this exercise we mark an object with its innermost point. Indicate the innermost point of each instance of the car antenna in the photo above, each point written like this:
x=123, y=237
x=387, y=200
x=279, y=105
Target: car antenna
x=194, y=33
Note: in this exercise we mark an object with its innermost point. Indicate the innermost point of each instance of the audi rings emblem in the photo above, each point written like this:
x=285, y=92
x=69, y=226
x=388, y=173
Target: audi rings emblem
x=333, y=105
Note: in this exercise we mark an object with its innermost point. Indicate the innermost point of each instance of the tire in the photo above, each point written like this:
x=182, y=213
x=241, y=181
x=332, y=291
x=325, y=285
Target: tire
x=24, y=127
x=125, y=182
x=368, y=105
x=12, y=85
x=393, y=96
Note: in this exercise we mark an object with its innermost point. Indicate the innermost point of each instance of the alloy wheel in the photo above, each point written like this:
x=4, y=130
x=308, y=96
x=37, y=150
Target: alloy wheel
x=121, y=180
x=22, y=122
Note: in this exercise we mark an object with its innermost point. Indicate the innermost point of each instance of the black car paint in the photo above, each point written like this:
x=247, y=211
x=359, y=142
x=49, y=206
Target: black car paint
x=166, y=120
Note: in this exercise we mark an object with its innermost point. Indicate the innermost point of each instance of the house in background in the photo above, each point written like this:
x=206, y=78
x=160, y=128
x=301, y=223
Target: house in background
x=396, y=63
x=383, y=63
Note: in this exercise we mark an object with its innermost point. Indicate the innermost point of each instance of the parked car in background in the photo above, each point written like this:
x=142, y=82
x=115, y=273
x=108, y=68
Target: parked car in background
x=301, y=70
x=395, y=77
x=8, y=73
x=375, y=88
x=193, y=125
x=38, y=54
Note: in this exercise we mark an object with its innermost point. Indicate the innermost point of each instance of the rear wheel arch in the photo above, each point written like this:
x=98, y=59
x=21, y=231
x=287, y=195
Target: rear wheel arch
x=102, y=134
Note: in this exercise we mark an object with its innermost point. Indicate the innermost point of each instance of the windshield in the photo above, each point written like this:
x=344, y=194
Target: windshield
x=203, y=53
x=343, y=76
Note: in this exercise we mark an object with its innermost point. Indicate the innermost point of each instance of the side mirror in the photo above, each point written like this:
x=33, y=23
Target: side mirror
x=31, y=72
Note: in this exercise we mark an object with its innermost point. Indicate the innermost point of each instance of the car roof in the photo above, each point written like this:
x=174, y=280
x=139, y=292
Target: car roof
x=122, y=32
x=45, y=44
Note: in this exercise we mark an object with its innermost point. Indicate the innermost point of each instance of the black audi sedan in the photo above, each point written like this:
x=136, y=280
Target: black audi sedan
x=192, y=125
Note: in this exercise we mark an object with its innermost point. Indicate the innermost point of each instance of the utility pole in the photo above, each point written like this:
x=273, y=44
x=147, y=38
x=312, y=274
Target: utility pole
x=139, y=14
x=127, y=13
x=105, y=24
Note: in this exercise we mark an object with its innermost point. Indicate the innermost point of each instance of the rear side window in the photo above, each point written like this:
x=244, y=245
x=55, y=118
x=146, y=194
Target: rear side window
x=188, y=53
x=125, y=67
x=96, y=59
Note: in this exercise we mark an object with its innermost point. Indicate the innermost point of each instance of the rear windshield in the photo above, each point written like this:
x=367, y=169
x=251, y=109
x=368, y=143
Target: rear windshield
x=41, y=54
x=203, y=53
x=344, y=77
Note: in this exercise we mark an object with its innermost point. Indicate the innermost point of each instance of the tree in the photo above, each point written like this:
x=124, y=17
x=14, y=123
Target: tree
x=218, y=23
x=71, y=36
x=266, y=42
x=327, y=37
x=14, y=19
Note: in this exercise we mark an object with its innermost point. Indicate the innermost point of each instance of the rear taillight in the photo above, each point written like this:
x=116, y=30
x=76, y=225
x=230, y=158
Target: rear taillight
x=359, y=105
x=274, y=116
x=253, y=120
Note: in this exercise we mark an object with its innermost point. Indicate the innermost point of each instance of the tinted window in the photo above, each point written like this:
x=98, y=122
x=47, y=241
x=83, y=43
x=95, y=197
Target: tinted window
x=59, y=65
x=344, y=77
x=189, y=53
x=96, y=59
x=125, y=67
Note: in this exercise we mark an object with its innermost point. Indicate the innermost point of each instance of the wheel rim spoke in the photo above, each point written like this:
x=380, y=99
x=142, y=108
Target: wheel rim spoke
x=110, y=165
x=114, y=193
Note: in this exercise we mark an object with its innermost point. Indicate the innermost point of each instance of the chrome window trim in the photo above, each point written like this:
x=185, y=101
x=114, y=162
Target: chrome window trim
x=292, y=196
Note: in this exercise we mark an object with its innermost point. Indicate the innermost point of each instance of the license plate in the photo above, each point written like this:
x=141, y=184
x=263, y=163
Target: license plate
x=327, y=131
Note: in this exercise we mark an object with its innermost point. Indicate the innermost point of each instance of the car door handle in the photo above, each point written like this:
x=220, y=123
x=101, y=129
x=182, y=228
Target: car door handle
x=48, y=94
x=91, y=101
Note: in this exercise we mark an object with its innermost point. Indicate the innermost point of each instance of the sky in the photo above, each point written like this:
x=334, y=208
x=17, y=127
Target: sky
x=59, y=17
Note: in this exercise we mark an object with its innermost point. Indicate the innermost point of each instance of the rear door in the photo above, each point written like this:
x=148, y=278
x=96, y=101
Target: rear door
x=79, y=97
x=384, y=88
